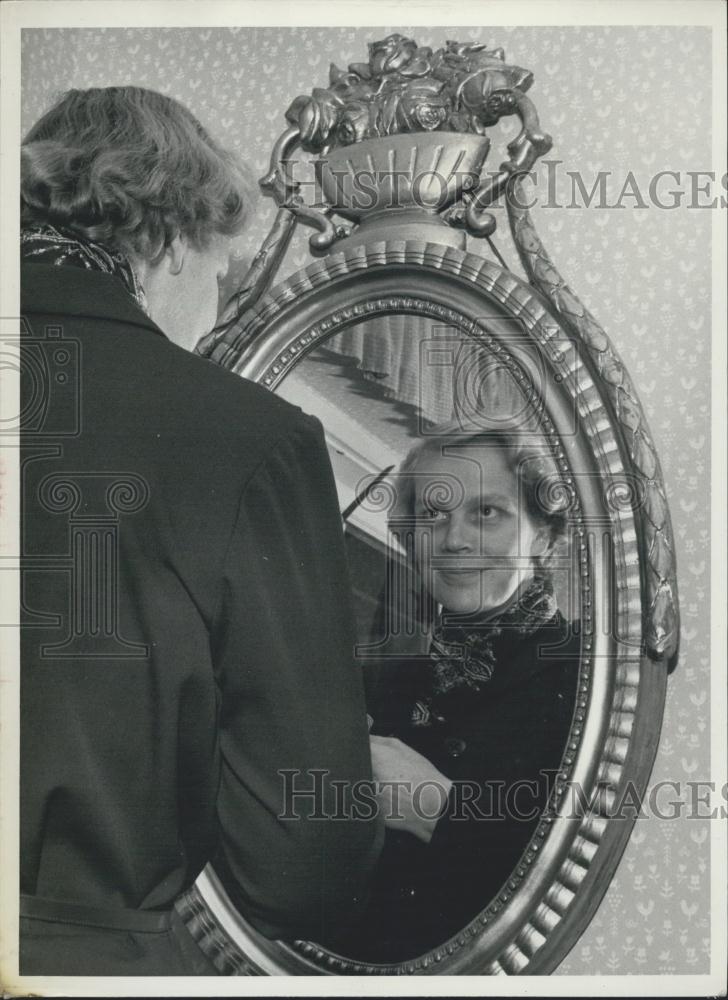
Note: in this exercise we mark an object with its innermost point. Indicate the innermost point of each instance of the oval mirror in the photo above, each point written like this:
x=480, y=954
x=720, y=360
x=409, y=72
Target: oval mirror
x=504, y=515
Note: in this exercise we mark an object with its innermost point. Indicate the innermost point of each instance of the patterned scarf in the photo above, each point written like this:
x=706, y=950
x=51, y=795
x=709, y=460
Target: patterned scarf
x=464, y=657
x=44, y=244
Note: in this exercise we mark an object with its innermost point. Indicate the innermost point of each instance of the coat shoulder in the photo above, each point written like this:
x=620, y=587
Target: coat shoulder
x=127, y=361
x=230, y=399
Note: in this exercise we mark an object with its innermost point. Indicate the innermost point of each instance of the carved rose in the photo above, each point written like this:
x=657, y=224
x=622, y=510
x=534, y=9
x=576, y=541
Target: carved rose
x=500, y=102
x=422, y=105
x=402, y=106
x=355, y=83
x=488, y=94
x=466, y=67
x=429, y=116
x=316, y=117
x=397, y=54
x=354, y=123
x=459, y=57
x=466, y=48
x=405, y=88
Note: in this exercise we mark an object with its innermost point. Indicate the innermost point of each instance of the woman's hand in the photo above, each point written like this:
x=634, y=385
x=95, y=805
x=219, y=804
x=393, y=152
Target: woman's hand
x=411, y=792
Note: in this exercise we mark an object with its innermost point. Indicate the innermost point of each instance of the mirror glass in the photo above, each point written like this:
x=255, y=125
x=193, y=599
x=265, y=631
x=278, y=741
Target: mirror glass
x=467, y=610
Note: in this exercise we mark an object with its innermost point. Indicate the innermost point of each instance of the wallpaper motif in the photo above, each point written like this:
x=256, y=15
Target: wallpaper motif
x=615, y=99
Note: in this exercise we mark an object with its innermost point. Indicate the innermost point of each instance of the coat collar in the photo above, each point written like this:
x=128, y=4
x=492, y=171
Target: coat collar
x=73, y=291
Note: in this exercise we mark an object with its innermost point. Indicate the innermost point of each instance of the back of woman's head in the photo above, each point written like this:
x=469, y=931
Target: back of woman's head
x=132, y=169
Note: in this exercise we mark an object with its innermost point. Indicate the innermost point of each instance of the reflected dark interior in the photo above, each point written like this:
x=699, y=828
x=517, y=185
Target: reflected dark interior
x=377, y=388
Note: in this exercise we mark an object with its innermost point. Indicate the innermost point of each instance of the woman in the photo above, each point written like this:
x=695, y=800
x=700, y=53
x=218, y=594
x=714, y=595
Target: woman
x=191, y=642
x=473, y=696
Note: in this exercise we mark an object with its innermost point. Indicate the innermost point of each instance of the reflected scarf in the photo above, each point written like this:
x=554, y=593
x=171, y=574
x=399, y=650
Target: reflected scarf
x=44, y=244
x=464, y=657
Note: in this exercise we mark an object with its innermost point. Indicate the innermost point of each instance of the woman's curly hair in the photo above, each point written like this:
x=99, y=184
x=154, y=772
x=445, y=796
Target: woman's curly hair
x=130, y=168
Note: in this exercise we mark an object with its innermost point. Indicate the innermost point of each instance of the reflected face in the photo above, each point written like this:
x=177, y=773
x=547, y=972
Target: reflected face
x=482, y=539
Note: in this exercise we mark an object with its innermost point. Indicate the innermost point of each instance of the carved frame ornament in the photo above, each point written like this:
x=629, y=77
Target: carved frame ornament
x=589, y=412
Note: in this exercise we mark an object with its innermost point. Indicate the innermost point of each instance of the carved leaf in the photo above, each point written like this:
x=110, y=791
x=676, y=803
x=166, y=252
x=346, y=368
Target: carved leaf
x=627, y=410
x=655, y=507
x=611, y=369
x=663, y=618
x=661, y=555
x=316, y=115
x=360, y=69
x=594, y=335
x=644, y=456
x=567, y=301
x=388, y=118
x=335, y=74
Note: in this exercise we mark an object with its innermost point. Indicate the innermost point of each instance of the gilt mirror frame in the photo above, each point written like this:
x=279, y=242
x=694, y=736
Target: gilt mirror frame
x=415, y=262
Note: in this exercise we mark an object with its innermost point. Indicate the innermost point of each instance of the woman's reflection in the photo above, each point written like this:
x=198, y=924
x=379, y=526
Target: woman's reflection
x=471, y=718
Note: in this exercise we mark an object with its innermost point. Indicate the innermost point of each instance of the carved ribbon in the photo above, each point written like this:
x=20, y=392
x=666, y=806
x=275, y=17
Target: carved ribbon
x=659, y=581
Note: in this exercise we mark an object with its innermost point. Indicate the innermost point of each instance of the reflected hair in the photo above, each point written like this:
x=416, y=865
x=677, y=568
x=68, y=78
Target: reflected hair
x=132, y=169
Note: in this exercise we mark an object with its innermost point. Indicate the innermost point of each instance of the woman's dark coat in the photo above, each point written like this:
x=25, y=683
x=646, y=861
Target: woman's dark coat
x=501, y=746
x=187, y=636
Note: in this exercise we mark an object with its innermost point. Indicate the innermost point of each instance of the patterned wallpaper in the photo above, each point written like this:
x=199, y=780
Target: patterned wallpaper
x=615, y=99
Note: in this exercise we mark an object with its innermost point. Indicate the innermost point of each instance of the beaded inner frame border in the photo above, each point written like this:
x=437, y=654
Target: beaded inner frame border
x=547, y=902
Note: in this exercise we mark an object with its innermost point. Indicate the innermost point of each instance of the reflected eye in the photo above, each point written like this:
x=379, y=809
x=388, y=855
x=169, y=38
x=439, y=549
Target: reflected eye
x=432, y=514
x=489, y=512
